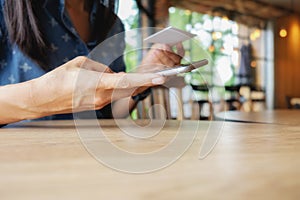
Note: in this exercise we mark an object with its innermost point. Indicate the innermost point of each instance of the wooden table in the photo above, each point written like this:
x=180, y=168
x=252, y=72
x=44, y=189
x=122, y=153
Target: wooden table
x=287, y=117
x=46, y=160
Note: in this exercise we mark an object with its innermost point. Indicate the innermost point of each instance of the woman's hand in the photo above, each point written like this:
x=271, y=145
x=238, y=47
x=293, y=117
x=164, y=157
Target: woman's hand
x=90, y=85
x=160, y=57
x=78, y=85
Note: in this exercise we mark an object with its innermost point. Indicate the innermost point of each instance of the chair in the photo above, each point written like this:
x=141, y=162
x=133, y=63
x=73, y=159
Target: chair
x=158, y=106
x=232, y=97
x=199, y=104
x=292, y=102
x=257, y=98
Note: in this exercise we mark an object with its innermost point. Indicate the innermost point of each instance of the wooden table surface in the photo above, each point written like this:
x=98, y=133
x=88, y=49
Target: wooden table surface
x=284, y=116
x=46, y=160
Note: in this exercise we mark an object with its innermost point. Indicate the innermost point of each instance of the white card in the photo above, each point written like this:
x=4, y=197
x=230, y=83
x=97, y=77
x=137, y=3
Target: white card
x=170, y=36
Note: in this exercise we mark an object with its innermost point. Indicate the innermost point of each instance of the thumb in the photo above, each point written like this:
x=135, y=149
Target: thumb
x=180, y=49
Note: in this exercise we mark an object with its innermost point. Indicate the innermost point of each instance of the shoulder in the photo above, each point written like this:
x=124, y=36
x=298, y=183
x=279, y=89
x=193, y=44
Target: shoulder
x=118, y=26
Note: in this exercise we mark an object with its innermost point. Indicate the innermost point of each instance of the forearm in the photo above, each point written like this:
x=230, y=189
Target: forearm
x=16, y=103
x=123, y=107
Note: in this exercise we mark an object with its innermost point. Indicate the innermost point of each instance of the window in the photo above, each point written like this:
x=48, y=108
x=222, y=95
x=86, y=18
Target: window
x=221, y=40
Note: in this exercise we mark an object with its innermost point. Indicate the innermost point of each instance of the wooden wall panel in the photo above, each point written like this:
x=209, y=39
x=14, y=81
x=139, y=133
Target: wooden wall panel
x=287, y=60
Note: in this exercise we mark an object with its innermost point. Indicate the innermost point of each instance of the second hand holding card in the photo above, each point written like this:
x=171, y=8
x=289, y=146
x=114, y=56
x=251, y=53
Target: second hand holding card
x=172, y=36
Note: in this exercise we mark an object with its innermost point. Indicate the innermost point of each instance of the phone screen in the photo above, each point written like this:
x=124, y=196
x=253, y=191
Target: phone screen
x=183, y=68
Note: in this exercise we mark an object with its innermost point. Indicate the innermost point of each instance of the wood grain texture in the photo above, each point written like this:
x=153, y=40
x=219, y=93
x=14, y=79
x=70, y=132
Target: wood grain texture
x=46, y=160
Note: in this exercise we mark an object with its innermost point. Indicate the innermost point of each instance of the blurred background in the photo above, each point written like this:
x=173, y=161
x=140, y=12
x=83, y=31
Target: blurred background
x=254, y=47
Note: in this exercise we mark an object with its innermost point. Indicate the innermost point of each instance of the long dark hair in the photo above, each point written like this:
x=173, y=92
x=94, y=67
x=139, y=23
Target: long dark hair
x=24, y=27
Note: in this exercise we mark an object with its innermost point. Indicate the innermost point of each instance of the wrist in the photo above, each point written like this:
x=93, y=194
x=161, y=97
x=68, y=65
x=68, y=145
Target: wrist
x=16, y=100
x=141, y=96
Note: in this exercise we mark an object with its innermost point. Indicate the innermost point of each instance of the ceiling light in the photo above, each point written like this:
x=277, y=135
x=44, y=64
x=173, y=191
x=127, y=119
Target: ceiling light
x=283, y=32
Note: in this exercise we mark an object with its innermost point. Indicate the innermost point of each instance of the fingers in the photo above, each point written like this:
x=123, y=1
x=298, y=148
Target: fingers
x=163, y=47
x=180, y=50
x=163, y=58
x=174, y=59
x=129, y=80
x=94, y=72
x=166, y=56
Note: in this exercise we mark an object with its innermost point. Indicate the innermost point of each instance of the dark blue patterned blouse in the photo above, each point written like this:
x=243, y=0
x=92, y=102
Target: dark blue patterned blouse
x=15, y=67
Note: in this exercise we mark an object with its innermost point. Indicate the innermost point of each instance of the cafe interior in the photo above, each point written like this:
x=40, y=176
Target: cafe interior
x=228, y=130
x=252, y=47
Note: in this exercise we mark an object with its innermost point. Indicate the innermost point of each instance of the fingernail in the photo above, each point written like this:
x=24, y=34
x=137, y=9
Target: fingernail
x=159, y=80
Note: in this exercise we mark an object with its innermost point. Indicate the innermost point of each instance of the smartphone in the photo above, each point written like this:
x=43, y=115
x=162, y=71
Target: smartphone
x=183, y=68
